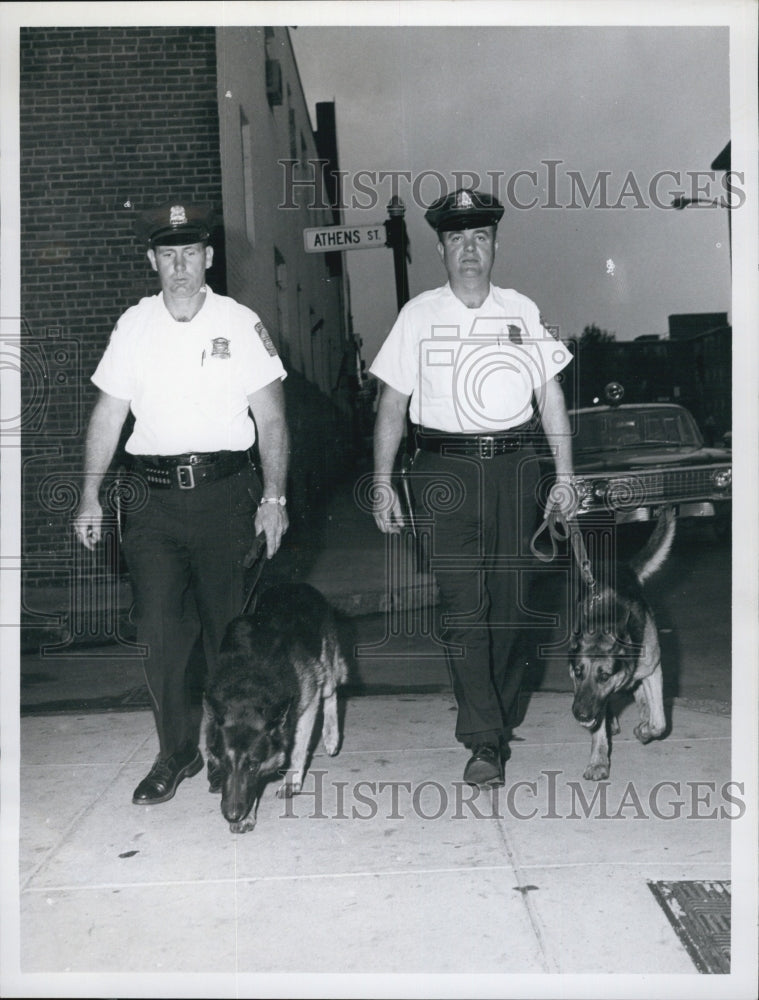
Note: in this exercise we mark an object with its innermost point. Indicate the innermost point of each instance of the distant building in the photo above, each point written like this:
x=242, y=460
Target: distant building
x=695, y=370
x=683, y=326
x=113, y=120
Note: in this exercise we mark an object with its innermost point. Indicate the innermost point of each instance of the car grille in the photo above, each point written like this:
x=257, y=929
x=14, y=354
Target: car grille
x=630, y=490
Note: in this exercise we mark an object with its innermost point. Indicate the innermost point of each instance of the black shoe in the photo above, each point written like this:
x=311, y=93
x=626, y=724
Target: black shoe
x=485, y=767
x=161, y=782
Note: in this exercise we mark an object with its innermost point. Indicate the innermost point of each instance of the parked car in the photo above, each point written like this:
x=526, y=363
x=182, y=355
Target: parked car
x=631, y=459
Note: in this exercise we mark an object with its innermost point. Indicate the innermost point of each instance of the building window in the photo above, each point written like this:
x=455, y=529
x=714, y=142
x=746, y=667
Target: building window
x=246, y=143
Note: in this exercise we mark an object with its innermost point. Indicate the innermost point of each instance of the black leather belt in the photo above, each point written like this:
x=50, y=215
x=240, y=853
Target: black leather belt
x=186, y=472
x=479, y=445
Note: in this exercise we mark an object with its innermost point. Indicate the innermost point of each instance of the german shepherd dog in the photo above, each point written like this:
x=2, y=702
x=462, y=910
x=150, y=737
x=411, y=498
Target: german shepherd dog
x=277, y=667
x=621, y=655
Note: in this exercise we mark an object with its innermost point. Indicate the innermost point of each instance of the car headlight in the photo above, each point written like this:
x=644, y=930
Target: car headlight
x=584, y=492
x=600, y=489
x=723, y=478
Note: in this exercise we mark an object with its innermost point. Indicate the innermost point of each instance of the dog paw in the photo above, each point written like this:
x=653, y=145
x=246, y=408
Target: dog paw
x=331, y=744
x=243, y=827
x=598, y=771
x=645, y=732
x=287, y=789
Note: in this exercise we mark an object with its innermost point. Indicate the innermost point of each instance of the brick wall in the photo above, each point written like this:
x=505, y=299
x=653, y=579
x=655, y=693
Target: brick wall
x=109, y=118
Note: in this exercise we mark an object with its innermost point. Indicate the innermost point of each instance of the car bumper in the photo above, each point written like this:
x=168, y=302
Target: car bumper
x=682, y=510
x=649, y=512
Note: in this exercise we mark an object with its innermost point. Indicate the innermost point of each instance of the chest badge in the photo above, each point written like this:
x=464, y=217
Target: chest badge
x=220, y=348
x=515, y=334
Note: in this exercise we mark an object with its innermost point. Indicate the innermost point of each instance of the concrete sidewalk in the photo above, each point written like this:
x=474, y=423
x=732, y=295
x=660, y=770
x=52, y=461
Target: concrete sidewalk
x=387, y=865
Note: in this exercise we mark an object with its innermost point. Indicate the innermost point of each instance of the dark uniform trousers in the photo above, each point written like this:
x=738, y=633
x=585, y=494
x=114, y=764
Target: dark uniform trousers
x=185, y=552
x=482, y=512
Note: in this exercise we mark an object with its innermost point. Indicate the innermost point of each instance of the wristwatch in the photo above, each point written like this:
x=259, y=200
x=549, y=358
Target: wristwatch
x=281, y=501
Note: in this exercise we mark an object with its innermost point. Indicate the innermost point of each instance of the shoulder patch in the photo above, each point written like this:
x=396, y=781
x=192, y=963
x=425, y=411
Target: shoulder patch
x=266, y=340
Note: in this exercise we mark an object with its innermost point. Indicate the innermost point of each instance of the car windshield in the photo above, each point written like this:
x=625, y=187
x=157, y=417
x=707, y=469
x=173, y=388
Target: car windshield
x=636, y=428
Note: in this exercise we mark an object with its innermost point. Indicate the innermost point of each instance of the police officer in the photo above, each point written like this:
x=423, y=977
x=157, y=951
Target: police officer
x=477, y=368
x=203, y=381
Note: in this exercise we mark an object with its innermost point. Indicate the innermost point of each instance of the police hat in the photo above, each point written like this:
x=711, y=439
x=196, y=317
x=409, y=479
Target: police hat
x=177, y=223
x=464, y=209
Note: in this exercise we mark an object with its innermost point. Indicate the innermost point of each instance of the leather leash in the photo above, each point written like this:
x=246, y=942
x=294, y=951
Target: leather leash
x=406, y=463
x=561, y=528
x=256, y=557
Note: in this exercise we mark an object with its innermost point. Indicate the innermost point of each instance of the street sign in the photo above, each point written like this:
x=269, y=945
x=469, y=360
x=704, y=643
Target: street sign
x=330, y=238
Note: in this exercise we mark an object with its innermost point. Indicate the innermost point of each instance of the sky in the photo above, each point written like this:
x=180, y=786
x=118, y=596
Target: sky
x=532, y=111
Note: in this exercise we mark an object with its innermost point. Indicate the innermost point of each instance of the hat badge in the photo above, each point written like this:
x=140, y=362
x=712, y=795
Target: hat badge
x=464, y=200
x=177, y=216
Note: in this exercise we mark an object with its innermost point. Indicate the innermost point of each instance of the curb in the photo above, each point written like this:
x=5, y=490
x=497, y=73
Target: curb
x=102, y=628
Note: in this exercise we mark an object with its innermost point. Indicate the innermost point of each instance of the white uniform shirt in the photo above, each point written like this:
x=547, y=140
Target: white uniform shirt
x=469, y=370
x=188, y=383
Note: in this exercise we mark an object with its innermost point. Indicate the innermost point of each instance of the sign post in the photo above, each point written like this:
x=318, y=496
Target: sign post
x=390, y=233
x=397, y=238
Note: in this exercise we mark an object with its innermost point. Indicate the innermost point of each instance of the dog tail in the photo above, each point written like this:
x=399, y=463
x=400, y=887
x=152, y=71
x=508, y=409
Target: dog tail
x=654, y=553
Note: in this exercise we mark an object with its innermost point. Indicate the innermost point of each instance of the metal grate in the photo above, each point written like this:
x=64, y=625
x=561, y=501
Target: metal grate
x=700, y=915
x=681, y=483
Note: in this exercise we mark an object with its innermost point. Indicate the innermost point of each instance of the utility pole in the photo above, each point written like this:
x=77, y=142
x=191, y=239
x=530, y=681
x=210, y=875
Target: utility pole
x=397, y=239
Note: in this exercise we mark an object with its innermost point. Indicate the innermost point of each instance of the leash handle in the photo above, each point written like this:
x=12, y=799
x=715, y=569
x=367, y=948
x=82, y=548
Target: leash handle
x=548, y=526
x=255, y=557
x=561, y=528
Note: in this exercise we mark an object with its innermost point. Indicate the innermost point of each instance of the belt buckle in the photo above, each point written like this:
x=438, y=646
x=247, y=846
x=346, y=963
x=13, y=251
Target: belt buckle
x=486, y=447
x=185, y=477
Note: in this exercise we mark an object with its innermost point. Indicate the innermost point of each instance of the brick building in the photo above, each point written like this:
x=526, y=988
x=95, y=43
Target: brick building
x=113, y=120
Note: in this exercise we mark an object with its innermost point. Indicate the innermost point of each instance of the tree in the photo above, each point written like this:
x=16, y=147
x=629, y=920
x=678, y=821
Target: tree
x=593, y=335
